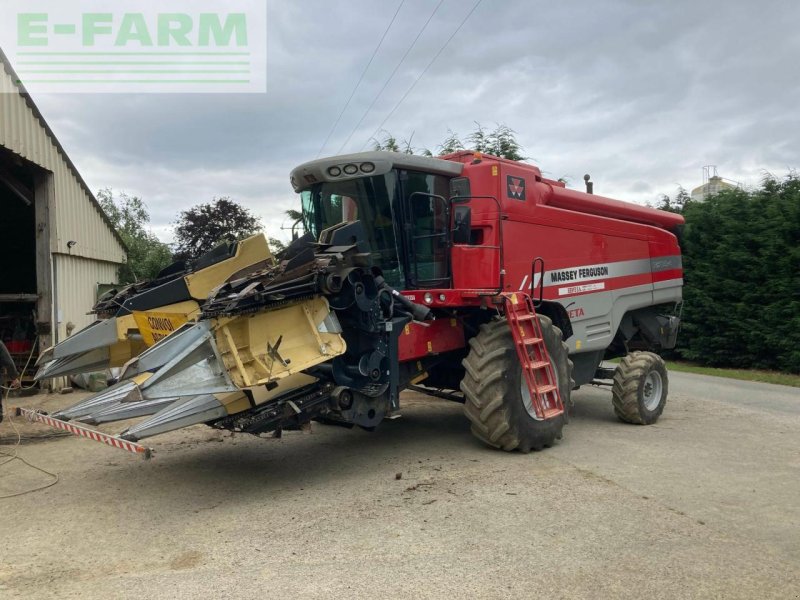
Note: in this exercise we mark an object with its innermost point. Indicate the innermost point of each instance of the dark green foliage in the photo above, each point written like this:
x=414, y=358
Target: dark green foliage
x=276, y=245
x=146, y=254
x=742, y=278
x=294, y=214
x=674, y=205
x=501, y=141
x=204, y=226
x=391, y=144
x=451, y=144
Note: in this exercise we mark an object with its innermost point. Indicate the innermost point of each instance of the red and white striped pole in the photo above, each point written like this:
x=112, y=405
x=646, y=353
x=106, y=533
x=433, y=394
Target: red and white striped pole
x=97, y=436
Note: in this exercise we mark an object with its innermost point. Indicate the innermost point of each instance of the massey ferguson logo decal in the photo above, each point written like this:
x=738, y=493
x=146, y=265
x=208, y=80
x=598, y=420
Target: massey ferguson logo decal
x=516, y=187
x=579, y=274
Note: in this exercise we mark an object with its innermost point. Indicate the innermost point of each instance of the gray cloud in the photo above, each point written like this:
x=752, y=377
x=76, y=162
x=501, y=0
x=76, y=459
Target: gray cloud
x=639, y=94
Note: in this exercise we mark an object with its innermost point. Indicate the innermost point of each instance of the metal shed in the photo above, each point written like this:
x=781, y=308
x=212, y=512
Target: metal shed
x=56, y=243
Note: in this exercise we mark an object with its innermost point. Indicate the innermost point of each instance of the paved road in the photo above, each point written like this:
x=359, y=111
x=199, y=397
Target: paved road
x=749, y=394
x=703, y=504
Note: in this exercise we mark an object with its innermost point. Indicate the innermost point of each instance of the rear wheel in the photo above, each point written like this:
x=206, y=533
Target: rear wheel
x=639, y=393
x=497, y=400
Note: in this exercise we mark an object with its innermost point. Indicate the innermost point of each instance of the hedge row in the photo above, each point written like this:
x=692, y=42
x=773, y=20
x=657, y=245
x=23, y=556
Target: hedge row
x=741, y=253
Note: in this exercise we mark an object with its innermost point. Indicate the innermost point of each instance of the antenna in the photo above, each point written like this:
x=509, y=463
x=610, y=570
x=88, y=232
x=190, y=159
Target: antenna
x=709, y=171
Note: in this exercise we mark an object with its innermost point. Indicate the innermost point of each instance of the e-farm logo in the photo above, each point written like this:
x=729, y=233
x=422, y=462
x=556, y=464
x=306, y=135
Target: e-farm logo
x=140, y=46
x=170, y=30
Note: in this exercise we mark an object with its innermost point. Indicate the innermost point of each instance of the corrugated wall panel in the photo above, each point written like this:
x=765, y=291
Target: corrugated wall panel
x=74, y=213
x=76, y=289
x=77, y=217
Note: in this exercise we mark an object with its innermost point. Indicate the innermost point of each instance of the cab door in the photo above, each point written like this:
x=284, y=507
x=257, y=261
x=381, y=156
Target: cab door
x=427, y=235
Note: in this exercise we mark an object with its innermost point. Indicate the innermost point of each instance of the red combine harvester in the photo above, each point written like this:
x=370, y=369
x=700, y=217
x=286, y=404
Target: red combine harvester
x=487, y=244
x=467, y=277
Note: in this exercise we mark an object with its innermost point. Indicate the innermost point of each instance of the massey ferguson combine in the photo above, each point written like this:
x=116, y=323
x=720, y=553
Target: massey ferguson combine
x=467, y=277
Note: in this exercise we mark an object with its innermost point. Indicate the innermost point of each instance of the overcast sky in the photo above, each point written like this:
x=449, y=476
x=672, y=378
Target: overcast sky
x=639, y=94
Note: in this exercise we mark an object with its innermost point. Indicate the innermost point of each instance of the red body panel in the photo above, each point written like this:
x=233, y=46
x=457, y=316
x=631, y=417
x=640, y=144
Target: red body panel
x=590, y=245
x=419, y=340
x=576, y=234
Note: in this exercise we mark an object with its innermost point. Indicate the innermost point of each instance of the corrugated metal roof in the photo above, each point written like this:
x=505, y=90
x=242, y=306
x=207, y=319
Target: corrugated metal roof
x=36, y=151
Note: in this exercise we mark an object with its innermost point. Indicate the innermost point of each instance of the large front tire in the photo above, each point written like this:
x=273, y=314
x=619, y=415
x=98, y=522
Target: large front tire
x=640, y=388
x=494, y=389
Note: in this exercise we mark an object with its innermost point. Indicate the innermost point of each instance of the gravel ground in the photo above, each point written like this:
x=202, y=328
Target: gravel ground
x=703, y=504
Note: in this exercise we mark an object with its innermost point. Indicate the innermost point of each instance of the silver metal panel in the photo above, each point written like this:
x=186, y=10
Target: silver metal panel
x=98, y=334
x=666, y=263
x=185, y=363
x=155, y=357
x=183, y=413
x=127, y=410
x=119, y=392
x=603, y=314
x=669, y=283
x=316, y=171
x=668, y=291
x=204, y=377
x=84, y=362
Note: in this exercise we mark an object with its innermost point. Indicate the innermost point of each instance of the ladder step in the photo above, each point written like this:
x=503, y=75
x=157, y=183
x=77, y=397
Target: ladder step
x=549, y=413
x=530, y=341
x=546, y=389
x=526, y=317
x=535, y=365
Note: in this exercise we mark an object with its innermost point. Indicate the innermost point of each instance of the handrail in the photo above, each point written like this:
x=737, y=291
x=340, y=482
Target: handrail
x=538, y=301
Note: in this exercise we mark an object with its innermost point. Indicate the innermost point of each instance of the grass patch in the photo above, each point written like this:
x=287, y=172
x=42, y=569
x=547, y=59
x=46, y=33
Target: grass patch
x=741, y=374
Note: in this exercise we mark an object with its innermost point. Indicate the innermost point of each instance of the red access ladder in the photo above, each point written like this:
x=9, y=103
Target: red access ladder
x=537, y=369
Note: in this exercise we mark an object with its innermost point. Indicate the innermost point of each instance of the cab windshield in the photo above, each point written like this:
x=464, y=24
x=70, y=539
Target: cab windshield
x=404, y=214
x=370, y=200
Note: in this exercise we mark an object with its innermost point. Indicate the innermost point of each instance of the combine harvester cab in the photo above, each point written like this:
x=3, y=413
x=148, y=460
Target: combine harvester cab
x=467, y=277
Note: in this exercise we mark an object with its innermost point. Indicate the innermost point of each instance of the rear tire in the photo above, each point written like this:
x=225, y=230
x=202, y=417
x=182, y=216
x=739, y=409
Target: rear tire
x=494, y=402
x=640, y=388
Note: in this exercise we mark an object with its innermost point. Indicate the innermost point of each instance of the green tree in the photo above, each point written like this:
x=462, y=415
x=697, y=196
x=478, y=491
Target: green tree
x=501, y=141
x=677, y=204
x=147, y=256
x=294, y=215
x=388, y=144
x=742, y=277
x=391, y=144
x=204, y=226
x=277, y=245
x=451, y=144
